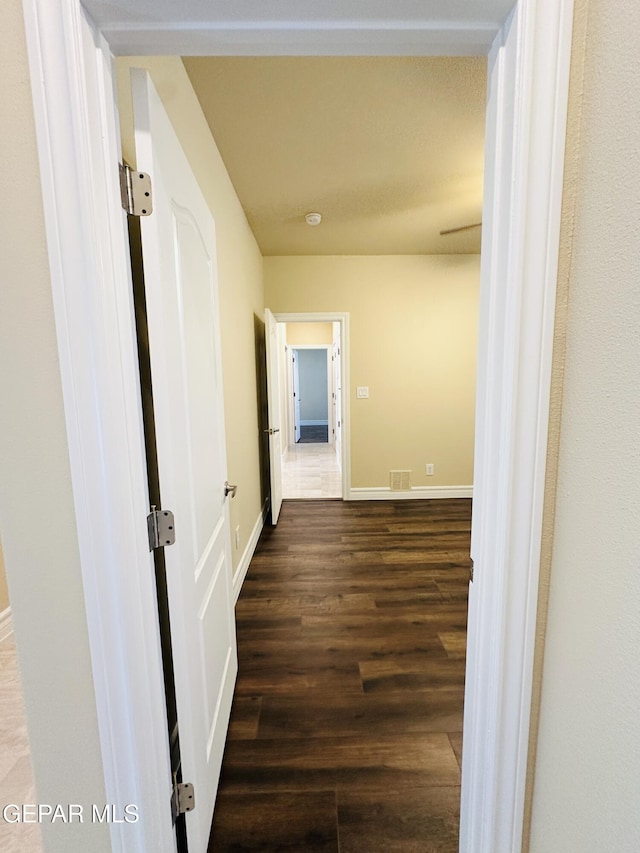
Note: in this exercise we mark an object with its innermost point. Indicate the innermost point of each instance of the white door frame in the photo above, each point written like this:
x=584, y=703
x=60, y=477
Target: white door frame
x=79, y=148
x=72, y=86
x=327, y=350
x=341, y=317
x=292, y=421
x=290, y=399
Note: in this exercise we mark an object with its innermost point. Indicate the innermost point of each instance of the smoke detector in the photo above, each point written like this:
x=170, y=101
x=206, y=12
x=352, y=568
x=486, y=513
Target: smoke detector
x=313, y=218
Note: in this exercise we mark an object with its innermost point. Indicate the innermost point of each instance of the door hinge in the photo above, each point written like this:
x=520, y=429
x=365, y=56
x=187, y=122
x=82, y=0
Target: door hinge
x=182, y=799
x=161, y=527
x=471, y=573
x=135, y=191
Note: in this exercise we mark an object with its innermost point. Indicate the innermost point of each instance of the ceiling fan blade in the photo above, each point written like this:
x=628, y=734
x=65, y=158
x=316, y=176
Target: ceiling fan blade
x=461, y=228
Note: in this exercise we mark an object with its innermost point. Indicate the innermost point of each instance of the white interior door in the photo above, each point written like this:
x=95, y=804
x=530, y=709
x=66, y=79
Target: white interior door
x=295, y=372
x=336, y=355
x=331, y=398
x=273, y=397
x=179, y=250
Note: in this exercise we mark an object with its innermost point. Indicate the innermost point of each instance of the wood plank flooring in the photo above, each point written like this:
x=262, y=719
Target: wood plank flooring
x=346, y=726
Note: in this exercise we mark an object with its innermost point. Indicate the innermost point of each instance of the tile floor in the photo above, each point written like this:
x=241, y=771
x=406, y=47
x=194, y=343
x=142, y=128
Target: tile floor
x=16, y=777
x=311, y=471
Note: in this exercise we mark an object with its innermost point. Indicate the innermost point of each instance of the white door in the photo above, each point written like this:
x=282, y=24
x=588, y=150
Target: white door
x=295, y=372
x=336, y=356
x=179, y=251
x=273, y=398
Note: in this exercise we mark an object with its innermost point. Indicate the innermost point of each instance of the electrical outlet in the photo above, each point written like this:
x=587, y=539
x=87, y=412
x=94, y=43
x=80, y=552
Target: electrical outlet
x=430, y=469
x=237, y=537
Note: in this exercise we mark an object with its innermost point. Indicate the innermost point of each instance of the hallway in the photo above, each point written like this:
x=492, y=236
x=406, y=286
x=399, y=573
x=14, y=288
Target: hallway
x=311, y=471
x=346, y=729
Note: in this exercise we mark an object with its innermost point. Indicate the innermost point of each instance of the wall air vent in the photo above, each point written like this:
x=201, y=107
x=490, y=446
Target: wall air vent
x=400, y=481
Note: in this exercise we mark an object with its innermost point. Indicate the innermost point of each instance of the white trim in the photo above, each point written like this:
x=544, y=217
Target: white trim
x=290, y=400
x=77, y=139
x=243, y=566
x=341, y=317
x=290, y=403
x=78, y=142
x=6, y=624
x=384, y=493
x=525, y=134
x=294, y=38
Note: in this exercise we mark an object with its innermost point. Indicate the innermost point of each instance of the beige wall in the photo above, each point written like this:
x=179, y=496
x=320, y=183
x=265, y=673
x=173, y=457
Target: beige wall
x=413, y=325
x=586, y=794
x=36, y=506
x=239, y=275
x=306, y=334
x=4, y=591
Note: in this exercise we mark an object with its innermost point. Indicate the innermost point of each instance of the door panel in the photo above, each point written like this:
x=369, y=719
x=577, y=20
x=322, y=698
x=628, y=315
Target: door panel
x=336, y=357
x=275, y=432
x=179, y=253
x=295, y=366
x=198, y=347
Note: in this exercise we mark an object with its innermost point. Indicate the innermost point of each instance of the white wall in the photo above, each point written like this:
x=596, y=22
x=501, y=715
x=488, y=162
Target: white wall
x=586, y=796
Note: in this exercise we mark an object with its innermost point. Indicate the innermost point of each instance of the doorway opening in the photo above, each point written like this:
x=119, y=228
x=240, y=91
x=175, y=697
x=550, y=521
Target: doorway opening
x=534, y=203
x=309, y=372
x=311, y=404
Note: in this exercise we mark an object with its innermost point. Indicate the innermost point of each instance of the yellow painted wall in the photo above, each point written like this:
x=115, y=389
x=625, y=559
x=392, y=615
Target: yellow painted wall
x=4, y=592
x=306, y=334
x=586, y=788
x=413, y=326
x=239, y=275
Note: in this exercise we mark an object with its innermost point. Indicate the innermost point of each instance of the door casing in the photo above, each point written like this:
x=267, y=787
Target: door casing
x=342, y=318
x=76, y=126
x=293, y=401
x=327, y=350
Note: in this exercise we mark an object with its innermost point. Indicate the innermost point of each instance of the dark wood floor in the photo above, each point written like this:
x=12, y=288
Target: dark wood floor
x=346, y=727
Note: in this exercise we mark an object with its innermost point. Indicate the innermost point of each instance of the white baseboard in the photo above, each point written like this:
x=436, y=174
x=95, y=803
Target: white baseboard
x=315, y=423
x=243, y=566
x=6, y=624
x=384, y=493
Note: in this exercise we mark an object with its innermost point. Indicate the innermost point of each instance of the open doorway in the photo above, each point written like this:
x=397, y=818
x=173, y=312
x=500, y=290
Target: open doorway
x=311, y=408
x=531, y=245
x=309, y=373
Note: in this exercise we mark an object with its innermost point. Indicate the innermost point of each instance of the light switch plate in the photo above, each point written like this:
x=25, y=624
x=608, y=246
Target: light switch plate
x=362, y=392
